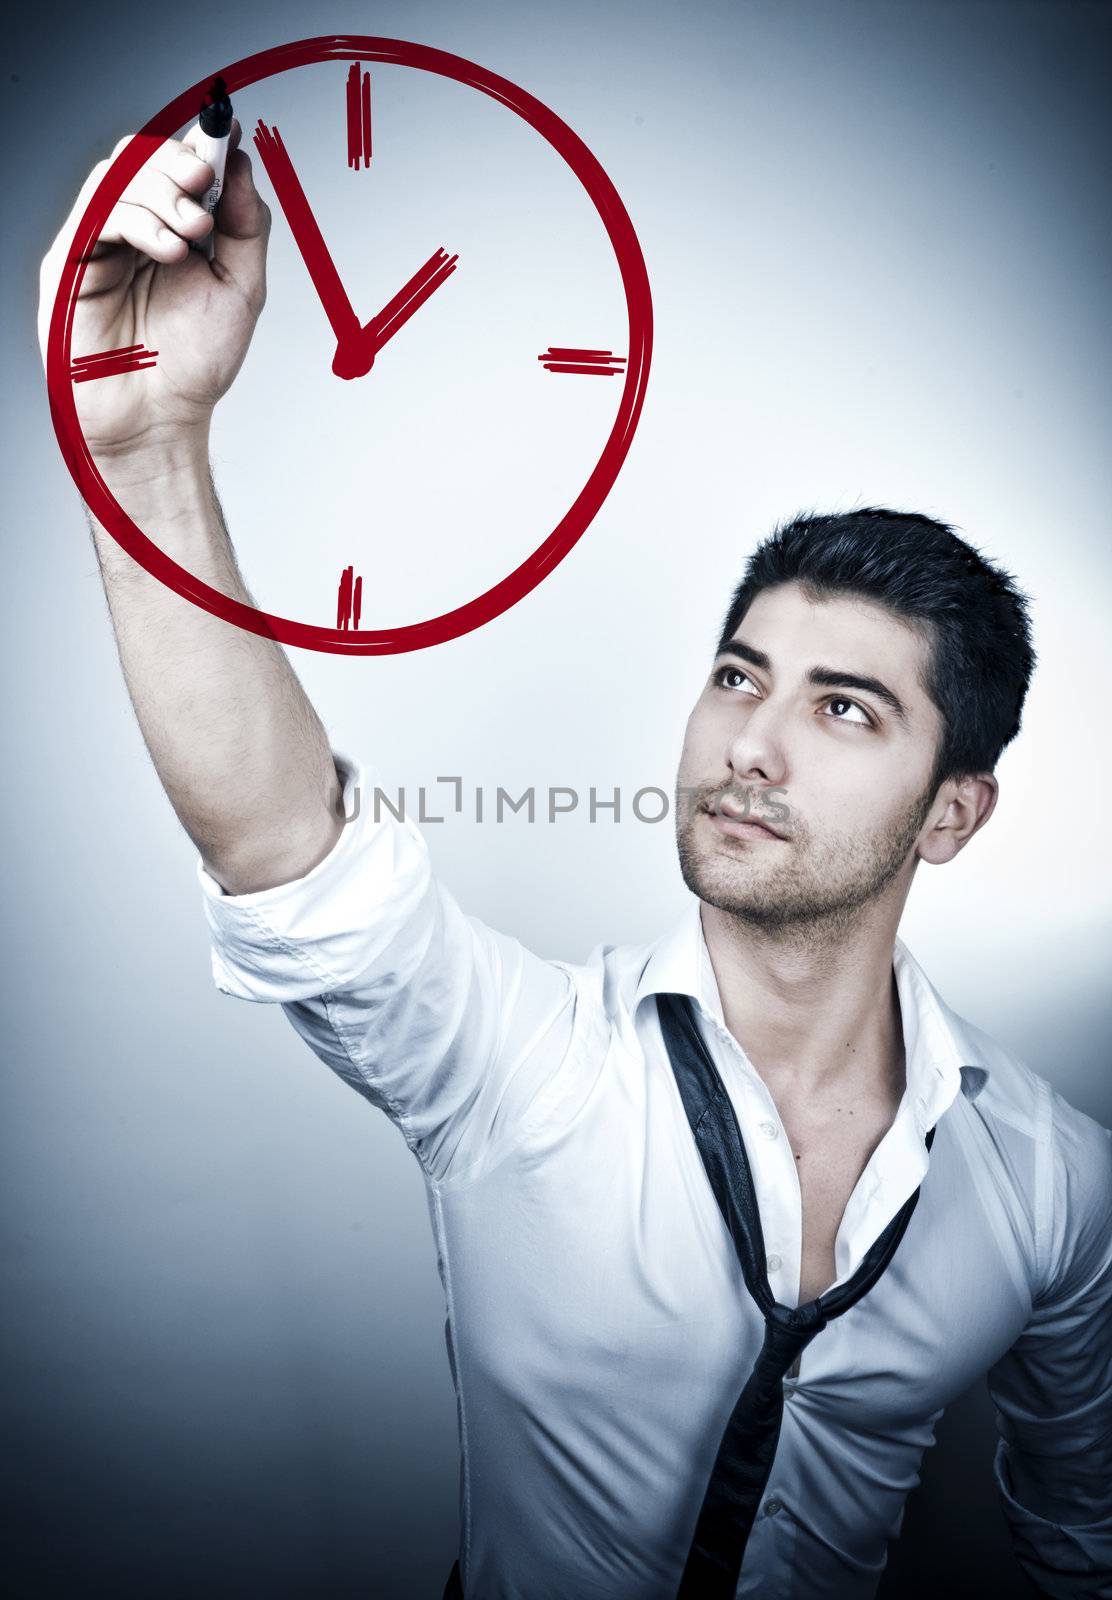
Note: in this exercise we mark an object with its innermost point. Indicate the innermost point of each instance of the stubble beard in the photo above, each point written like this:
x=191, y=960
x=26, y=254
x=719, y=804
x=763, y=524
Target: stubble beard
x=798, y=891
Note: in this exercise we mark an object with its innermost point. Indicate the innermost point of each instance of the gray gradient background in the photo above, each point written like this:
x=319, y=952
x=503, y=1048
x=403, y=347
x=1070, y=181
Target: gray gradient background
x=877, y=236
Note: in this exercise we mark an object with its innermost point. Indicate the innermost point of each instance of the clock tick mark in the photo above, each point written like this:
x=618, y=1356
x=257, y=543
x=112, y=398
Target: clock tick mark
x=107, y=363
x=349, y=600
x=358, y=116
x=588, y=363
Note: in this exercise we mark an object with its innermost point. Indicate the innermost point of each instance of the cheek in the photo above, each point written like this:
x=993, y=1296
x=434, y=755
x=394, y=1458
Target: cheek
x=847, y=809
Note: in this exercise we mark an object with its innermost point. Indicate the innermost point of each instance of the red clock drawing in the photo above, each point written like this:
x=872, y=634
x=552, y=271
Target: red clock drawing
x=402, y=347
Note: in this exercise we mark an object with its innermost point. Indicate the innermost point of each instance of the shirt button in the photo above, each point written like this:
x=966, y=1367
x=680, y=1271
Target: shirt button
x=772, y=1507
x=774, y=1263
x=769, y=1130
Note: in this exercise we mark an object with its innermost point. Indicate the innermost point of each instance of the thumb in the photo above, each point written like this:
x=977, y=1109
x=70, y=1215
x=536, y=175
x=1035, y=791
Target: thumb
x=242, y=229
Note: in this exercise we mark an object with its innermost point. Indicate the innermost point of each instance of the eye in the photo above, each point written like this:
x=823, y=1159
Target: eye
x=724, y=672
x=722, y=675
x=840, y=700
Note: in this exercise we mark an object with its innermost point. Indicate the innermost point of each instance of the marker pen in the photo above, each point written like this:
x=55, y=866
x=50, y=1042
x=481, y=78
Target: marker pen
x=211, y=144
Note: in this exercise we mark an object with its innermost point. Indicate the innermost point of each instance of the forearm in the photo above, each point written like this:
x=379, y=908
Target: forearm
x=236, y=743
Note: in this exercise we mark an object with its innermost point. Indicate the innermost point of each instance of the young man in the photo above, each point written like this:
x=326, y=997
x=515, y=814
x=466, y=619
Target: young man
x=723, y=1221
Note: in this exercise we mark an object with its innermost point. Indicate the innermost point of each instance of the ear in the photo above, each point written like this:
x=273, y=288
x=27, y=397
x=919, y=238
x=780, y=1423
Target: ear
x=963, y=805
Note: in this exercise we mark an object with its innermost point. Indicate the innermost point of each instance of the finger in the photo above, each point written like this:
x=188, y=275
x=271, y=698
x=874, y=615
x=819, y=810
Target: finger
x=169, y=200
x=144, y=231
x=169, y=173
x=185, y=167
x=147, y=187
x=242, y=228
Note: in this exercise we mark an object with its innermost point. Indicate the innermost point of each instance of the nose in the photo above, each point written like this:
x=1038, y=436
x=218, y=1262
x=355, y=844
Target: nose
x=755, y=749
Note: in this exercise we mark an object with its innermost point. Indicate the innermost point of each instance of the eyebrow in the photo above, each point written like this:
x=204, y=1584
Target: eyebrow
x=827, y=677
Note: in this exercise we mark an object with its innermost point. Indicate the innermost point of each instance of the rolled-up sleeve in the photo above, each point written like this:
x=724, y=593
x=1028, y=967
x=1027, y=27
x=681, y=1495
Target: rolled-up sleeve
x=452, y=1028
x=1053, y=1389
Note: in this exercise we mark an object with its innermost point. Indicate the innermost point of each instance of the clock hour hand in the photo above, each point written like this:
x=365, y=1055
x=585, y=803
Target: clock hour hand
x=306, y=233
x=355, y=356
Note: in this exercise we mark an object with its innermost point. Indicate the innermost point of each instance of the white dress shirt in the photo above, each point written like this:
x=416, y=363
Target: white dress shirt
x=599, y=1328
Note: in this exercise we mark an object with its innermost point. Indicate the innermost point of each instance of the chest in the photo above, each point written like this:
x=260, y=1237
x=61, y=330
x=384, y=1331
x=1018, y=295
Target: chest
x=830, y=1148
x=595, y=1275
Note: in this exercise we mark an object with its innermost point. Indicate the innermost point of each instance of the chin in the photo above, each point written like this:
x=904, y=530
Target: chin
x=727, y=884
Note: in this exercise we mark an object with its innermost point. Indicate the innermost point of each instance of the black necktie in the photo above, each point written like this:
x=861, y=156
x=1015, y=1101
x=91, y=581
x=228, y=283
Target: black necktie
x=748, y=1445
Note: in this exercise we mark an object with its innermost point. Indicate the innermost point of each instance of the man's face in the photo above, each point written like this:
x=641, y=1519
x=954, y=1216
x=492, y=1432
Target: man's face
x=849, y=772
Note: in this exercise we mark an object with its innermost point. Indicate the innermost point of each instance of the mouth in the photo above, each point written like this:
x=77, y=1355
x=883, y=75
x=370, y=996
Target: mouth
x=741, y=827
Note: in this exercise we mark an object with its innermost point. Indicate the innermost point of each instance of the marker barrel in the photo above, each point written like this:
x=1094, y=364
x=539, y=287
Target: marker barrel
x=210, y=140
x=215, y=152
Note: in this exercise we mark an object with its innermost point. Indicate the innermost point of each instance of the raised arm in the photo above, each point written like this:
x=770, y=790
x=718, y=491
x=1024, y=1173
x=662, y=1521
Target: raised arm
x=459, y=1033
x=237, y=745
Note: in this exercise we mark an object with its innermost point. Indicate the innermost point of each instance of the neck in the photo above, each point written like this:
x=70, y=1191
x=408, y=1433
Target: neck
x=812, y=1016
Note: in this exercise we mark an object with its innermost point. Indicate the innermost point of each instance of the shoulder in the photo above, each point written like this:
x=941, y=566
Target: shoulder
x=1012, y=1092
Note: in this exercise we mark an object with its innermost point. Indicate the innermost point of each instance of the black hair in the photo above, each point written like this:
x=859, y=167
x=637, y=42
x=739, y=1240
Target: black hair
x=975, y=620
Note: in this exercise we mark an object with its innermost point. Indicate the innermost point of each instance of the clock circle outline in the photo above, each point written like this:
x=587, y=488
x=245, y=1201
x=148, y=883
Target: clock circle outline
x=528, y=574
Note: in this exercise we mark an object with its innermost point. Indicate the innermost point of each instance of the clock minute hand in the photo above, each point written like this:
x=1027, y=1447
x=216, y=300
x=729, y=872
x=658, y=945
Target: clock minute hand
x=368, y=340
x=424, y=282
x=306, y=233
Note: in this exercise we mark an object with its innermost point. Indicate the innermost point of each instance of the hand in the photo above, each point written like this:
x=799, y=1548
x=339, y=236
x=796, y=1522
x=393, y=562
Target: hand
x=144, y=285
x=356, y=344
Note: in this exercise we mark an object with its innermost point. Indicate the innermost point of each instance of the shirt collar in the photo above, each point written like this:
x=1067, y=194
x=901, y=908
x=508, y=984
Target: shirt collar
x=940, y=1055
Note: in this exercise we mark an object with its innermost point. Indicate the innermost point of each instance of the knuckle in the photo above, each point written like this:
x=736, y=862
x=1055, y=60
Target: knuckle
x=187, y=160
